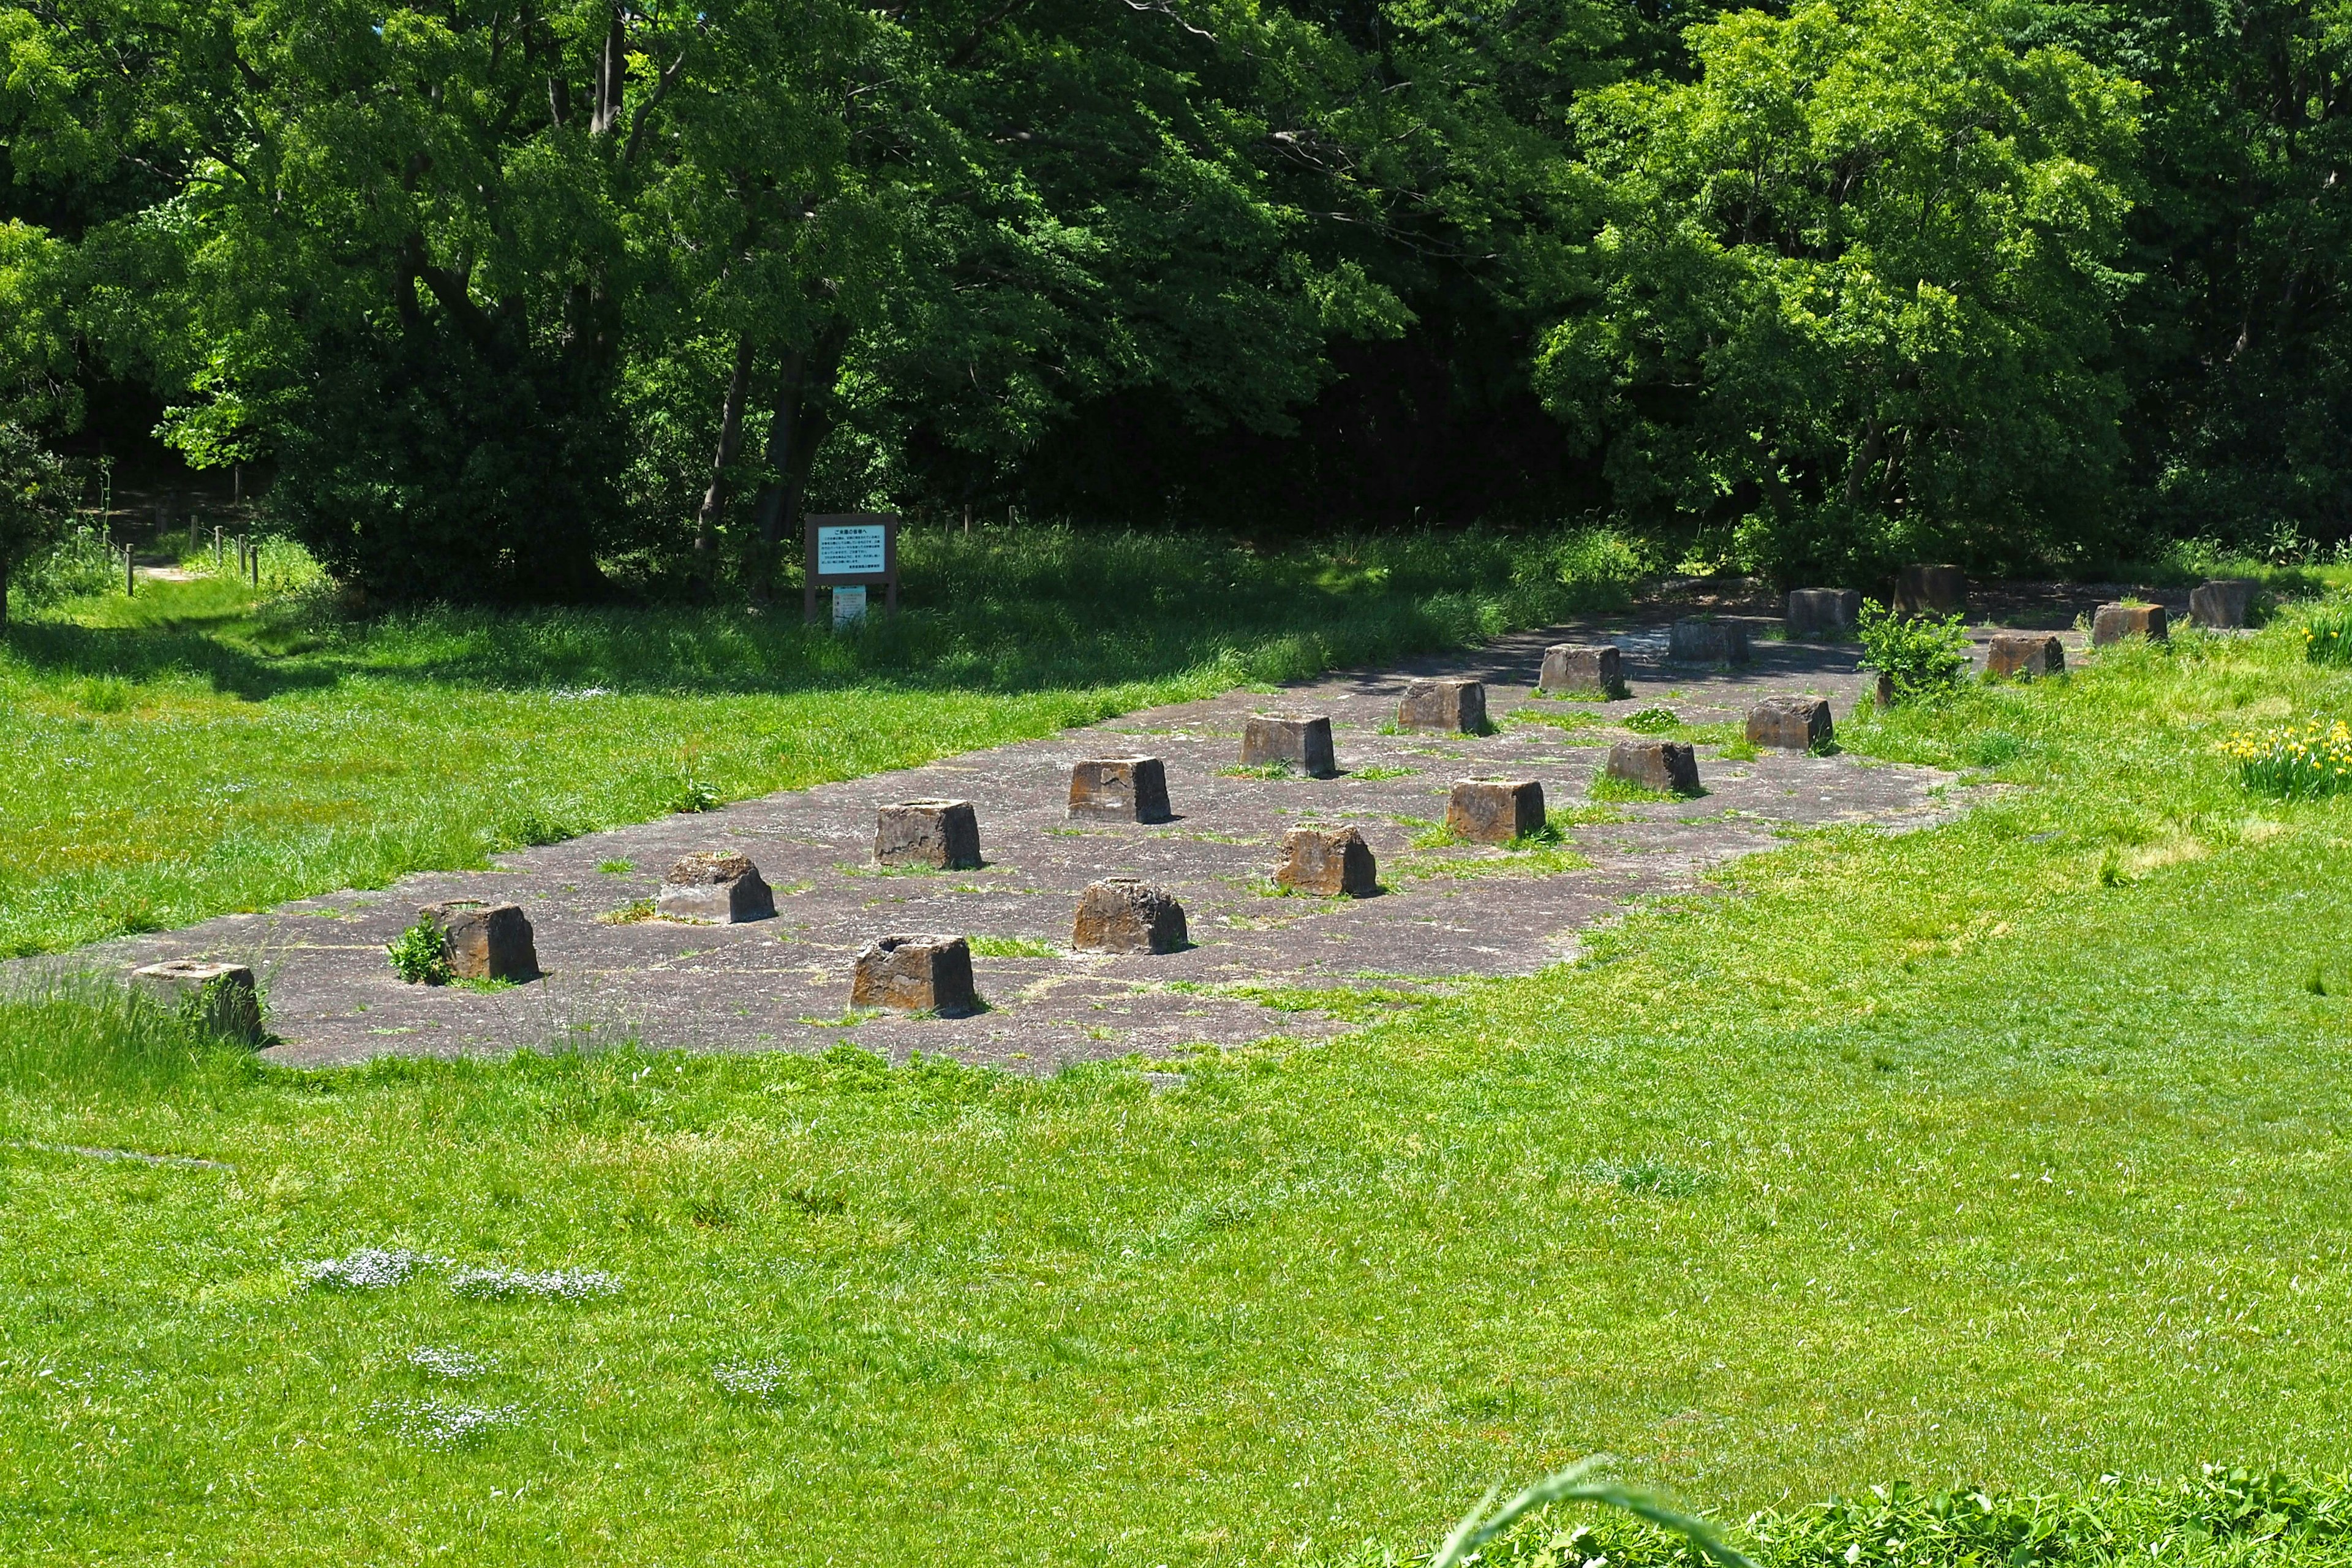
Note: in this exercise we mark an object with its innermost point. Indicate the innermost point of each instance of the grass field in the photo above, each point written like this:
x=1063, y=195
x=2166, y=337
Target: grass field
x=2009, y=1153
x=190, y=751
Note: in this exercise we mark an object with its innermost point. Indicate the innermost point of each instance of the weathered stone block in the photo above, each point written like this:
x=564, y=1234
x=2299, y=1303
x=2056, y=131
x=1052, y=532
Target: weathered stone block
x=1127, y=789
x=1127, y=914
x=2221, y=604
x=222, y=995
x=1327, y=861
x=1495, y=811
x=714, y=887
x=915, y=974
x=1669, y=766
x=1793, y=723
x=1594, y=670
x=1695, y=639
x=1822, y=611
x=1881, y=690
x=1931, y=590
x=944, y=834
x=484, y=941
x=1448, y=706
x=2030, y=655
x=2114, y=623
x=1303, y=740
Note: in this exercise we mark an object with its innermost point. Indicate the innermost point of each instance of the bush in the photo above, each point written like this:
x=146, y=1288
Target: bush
x=1921, y=656
x=420, y=956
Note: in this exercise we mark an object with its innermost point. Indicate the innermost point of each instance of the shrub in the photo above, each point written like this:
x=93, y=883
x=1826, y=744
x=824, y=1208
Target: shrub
x=419, y=956
x=2292, y=764
x=1920, y=655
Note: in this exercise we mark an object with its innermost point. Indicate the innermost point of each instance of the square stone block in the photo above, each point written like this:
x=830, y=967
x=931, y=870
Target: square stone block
x=942, y=834
x=1695, y=639
x=1931, y=590
x=2113, y=623
x=1495, y=811
x=1328, y=861
x=1127, y=914
x=1303, y=740
x=1123, y=789
x=2221, y=604
x=714, y=887
x=1793, y=723
x=1822, y=611
x=1669, y=766
x=915, y=974
x=2031, y=655
x=222, y=995
x=1446, y=707
x=484, y=941
x=1585, y=669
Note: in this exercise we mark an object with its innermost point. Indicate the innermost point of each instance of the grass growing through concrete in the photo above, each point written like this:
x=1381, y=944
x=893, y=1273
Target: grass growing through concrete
x=2004, y=1153
x=192, y=751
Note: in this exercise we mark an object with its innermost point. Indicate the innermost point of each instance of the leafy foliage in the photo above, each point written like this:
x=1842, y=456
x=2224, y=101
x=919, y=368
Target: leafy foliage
x=1921, y=655
x=2295, y=763
x=420, y=955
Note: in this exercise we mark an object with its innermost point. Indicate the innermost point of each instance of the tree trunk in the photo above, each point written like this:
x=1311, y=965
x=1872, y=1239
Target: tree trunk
x=714, y=496
x=803, y=418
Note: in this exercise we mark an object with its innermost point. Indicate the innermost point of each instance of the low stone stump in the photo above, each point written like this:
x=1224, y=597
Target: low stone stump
x=1127, y=914
x=1931, y=590
x=223, y=996
x=2221, y=604
x=1120, y=789
x=1495, y=811
x=1581, y=670
x=484, y=941
x=1667, y=765
x=2114, y=623
x=1792, y=723
x=714, y=887
x=1822, y=611
x=1881, y=690
x=915, y=974
x=2030, y=655
x=1303, y=740
x=1445, y=707
x=1327, y=862
x=940, y=833
x=1695, y=639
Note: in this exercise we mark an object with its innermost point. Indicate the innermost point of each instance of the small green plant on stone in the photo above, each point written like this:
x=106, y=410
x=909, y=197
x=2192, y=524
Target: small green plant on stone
x=1013, y=947
x=1922, y=657
x=1276, y=768
x=418, y=955
x=627, y=914
x=1741, y=750
x=616, y=868
x=1379, y=771
x=1651, y=721
x=1616, y=790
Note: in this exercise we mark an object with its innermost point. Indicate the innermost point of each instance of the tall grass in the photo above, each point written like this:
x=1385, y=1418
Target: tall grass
x=75, y=1040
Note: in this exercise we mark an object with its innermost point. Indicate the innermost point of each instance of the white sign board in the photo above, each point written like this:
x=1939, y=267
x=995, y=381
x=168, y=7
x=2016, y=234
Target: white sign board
x=853, y=552
x=849, y=607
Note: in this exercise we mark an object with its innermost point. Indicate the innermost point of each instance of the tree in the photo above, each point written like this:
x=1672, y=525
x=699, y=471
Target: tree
x=34, y=503
x=1849, y=296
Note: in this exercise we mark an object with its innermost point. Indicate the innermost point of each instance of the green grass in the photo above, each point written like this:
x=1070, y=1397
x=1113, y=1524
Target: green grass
x=1013, y=947
x=190, y=751
x=2007, y=1154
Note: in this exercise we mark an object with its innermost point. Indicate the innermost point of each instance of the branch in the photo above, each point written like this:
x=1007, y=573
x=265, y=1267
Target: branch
x=668, y=79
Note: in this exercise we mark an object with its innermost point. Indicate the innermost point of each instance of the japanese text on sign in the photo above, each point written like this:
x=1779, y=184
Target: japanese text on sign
x=852, y=551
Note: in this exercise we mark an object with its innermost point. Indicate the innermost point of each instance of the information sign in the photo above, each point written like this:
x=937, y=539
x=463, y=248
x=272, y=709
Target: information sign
x=852, y=550
x=848, y=550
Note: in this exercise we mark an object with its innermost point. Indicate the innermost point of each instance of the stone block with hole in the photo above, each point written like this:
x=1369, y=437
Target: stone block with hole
x=1667, y=765
x=2030, y=655
x=1583, y=669
x=1698, y=639
x=1302, y=740
x=1327, y=862
x=2221, y=604
x=1495, y=811
x=1127, y=914
x=941, y=834
x=1821, y=612
x=915, y=974
x=2114, y=622
x=1443, y=706
x=222, y=996
x=1790, y=724
x=714, y=887
x=483, y=940
x=1931, y=590
x=1120, y=789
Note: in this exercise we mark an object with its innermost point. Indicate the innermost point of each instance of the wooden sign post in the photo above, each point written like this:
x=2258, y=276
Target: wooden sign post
x=848, y=550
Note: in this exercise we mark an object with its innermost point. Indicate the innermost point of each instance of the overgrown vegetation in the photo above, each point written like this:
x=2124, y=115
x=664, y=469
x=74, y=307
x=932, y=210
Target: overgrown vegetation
x=1923, y=656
